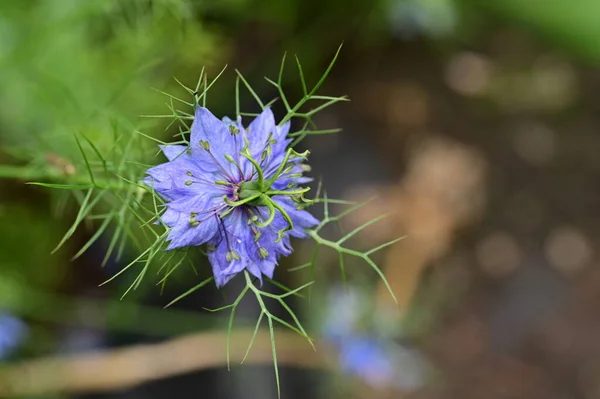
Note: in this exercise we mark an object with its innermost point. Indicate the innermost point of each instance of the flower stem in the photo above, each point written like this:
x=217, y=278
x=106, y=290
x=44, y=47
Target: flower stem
x=31, y=174
x=259, y=171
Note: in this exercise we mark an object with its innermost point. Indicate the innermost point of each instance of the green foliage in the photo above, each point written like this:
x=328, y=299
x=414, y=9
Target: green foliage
x=72, y=76
x=71, y=66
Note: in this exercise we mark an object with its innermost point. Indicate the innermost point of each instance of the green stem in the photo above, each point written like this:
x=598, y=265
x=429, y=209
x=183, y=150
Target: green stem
x=281, y=166
x=241, y=202
x=256, y=166
x=287, y=219
x=28, y=173
x=270, y=205
x=290, y=192
x=31, y=174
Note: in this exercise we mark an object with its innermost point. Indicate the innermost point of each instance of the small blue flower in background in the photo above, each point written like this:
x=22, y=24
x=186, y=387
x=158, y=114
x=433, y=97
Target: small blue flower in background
x=235, y=189
x=369, y=359
x=378, y=361
x=12, y=333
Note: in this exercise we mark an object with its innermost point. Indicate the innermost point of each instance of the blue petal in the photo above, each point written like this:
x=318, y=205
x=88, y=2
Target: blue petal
x=238, y=123
x=165, y=171
x=174, y=172
x=232, y=234
x=170, y=217
x=223, y=270
x=240, y=238
x=259, y=130
x=215, y=160
x=161, y=187
x=270, y=234
x=255, y=269
x=173, y=152
x=209, y=128
x=198, y=203
x=177, y=175
x=282, y=131
x=280, y=137
x=302, y=219
x=184, y=234
x=258, y=265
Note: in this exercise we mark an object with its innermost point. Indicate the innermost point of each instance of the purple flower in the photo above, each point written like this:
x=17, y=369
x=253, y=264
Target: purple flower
x=236, y=190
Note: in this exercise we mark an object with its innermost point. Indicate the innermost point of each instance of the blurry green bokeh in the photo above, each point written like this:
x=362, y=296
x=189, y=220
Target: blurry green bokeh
x=76, y=66
x=24, y=252
x=573, y=25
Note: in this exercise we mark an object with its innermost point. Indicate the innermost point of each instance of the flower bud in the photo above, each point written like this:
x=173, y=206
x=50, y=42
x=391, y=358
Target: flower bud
x=233, y=130
x=232, y=255
x=263, y=253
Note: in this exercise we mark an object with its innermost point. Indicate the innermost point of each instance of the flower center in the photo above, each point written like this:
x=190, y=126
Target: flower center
x=258, y=192
x=253, y=188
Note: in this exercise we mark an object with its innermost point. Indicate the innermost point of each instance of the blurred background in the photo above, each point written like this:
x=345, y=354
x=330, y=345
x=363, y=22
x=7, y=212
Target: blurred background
x=476, y=123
